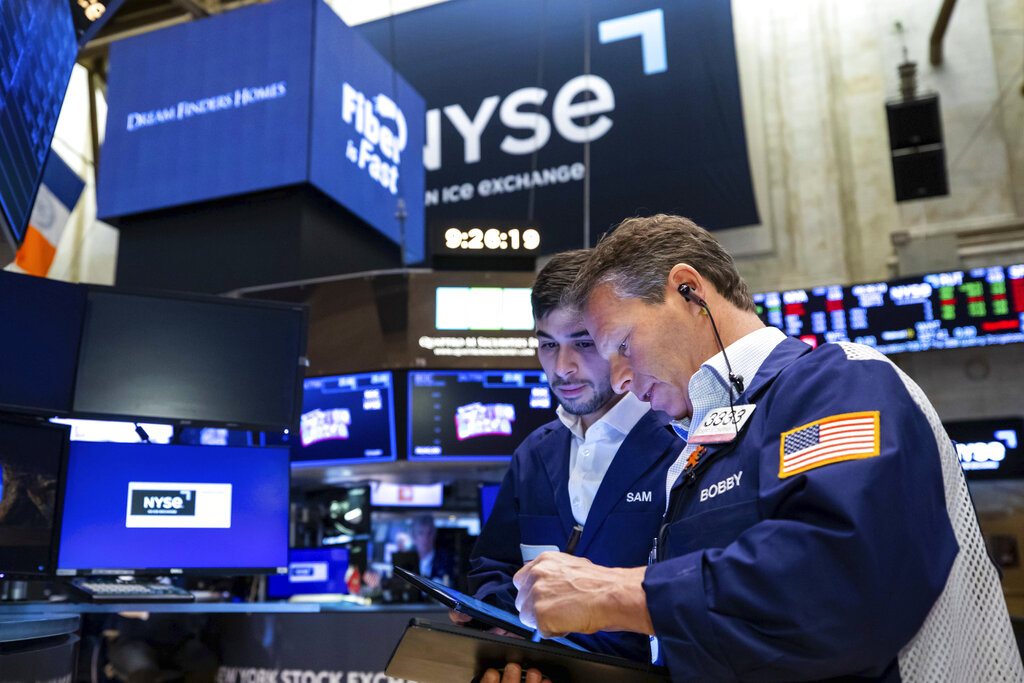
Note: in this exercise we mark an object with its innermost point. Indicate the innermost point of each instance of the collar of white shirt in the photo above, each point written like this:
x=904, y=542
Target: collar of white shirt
x=709, y=387
x=621, y=417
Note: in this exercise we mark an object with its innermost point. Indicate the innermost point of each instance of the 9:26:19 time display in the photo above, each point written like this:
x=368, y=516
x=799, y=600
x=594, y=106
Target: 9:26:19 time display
x=492, y=239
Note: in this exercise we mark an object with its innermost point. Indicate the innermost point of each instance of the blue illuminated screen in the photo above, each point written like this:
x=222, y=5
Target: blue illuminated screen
x=347, y=417
x=192, y=116
x=38, y=46
x=976, y=307
x=315, y=570
x=145, y=508
x=475, y=414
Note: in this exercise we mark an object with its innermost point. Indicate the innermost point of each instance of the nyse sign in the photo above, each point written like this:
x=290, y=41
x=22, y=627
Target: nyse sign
x=568, y=108
x=544, y=113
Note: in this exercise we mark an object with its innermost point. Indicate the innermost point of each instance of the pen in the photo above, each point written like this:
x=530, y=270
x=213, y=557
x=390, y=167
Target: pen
x=570, y=548
x=574, y=539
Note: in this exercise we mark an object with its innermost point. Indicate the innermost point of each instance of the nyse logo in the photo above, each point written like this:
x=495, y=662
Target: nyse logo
x=638, y=497
x=178, y=505
x=579, y=110
x=156, y=502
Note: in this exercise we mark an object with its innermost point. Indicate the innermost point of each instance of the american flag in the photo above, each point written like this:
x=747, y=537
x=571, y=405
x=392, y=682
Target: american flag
x=840, y=437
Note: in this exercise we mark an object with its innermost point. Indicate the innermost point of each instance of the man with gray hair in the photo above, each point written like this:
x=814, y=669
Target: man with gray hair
x=818, y=525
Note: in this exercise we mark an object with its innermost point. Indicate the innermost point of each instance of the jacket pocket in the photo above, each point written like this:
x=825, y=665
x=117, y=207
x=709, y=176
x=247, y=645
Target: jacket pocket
x=714, y=528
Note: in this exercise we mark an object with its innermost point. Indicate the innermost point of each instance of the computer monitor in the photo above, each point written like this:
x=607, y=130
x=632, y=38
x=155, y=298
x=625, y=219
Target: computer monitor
x=488, y=495
x=190, y=358
x=475, y=414
x=157, y=509
x=989, y=448
x=342, y=514
x=42, y=325
x=89, y=17
x=32, y=459
x=121, y=432
x=314, y=570
x=387, y=494
x=38, y=47
x=347, y=418
x=216, y=436
x=974, y=307
x=391, y=532
x=393, y=541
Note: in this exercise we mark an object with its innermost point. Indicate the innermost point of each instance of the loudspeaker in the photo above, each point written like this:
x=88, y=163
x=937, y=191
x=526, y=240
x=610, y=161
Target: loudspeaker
x=920, y=174
x=914, y=122
x=918, y=153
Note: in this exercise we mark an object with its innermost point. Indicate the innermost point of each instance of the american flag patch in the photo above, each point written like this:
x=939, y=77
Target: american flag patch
x=849, y=436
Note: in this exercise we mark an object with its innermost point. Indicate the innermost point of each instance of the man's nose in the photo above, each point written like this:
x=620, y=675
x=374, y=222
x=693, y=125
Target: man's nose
x=566, y=364
x=621, y=375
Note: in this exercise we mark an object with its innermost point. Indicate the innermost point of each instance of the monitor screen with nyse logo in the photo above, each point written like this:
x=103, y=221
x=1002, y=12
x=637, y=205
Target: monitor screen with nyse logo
x=162, y=509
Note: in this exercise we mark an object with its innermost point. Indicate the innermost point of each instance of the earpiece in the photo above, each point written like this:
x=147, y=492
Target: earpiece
x=687, y=293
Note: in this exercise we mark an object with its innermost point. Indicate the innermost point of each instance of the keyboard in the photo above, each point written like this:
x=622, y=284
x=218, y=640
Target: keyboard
x=119, y=590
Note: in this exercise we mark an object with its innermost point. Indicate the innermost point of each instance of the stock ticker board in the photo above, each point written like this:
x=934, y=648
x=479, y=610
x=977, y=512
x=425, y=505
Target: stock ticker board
x=975, y=307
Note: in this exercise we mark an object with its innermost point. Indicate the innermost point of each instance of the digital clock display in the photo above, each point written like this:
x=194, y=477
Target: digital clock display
x=492, y=239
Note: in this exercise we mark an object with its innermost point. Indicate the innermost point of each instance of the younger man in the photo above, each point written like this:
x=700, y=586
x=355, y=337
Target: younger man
x=592, y=482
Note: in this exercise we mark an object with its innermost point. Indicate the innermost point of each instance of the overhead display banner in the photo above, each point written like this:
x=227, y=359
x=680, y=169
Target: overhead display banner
x=516, y=90
x=260, y=98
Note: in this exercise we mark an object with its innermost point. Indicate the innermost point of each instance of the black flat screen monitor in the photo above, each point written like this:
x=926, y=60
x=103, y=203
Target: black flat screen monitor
x=42, y=323
x=347, y=418
x=32, y=458
x=212, y=360
x=157, y=509
x=38, y=47
x=989, y=448
x=475, y=414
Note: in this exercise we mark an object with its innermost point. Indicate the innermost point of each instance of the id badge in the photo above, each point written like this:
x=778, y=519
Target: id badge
x=721, y=425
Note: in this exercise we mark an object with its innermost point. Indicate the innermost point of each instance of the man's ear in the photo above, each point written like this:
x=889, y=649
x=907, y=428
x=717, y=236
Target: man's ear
x=685, y=284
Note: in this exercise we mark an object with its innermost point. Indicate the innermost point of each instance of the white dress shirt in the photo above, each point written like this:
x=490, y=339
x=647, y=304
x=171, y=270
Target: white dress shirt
x=709, y=387
x=591, y=454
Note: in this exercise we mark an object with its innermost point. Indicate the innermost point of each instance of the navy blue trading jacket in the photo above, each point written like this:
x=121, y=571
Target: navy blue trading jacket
x=823, y=573
x=533, y=508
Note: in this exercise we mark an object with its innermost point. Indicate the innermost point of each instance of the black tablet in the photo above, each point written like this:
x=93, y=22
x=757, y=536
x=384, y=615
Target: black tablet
x=478, y=609
x=442, y=653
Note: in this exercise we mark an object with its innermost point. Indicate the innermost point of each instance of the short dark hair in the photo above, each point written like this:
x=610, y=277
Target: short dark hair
x=557, y=275
x=637, y=256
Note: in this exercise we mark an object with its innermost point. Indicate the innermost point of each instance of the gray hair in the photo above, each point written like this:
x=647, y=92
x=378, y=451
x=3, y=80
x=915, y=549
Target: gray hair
x=637, y=256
